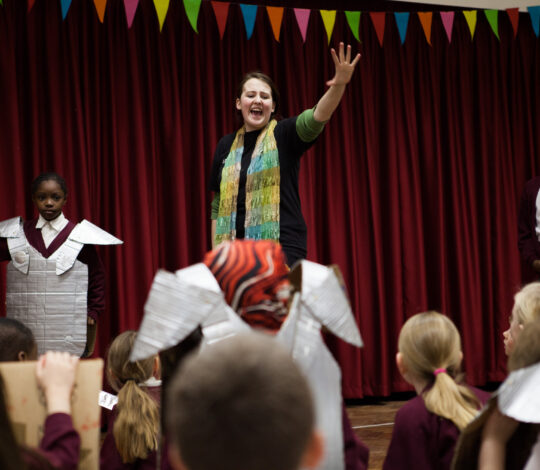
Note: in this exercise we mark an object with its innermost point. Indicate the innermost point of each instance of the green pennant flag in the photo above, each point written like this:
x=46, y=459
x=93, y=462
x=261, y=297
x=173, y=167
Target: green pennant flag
x=353, y=18
x=493, y=19
x=192, y=8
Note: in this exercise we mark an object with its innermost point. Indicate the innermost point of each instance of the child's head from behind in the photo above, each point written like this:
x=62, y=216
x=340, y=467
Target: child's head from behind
x=246, y=398
x=526, y=351
x=49, y=194
x=17, y=342
x=525, y=310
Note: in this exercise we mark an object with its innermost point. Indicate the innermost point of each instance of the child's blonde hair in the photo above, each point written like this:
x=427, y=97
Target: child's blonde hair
x=136, y=427
x=431, y=350
x=527, y=304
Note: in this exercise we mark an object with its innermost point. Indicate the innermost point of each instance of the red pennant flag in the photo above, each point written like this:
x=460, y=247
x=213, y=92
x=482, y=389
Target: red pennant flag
x=426, y=18
x=378, y=19
x=276, y=17
x=221, y=10
x=30, y=4
x=100, y=8
x=513, y=14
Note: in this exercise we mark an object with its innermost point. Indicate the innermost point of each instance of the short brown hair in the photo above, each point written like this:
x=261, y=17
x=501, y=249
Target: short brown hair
x=263, y=78
x=241, y=403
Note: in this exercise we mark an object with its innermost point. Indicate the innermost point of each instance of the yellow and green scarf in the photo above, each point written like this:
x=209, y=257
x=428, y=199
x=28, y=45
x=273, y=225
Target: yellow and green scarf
x=262, y=189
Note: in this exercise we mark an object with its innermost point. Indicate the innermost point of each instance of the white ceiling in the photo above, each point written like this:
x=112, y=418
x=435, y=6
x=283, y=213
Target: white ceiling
x=480, y=4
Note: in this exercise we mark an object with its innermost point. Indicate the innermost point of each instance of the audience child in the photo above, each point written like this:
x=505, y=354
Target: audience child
x=53, y=264
x=242, y=403
x=60, y=445
x=427, y=427
x=17, y=341
x=133, y=436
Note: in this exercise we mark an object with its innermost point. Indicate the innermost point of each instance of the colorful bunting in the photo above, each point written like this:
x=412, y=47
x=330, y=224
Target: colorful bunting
x=534, y=13
x=353, y=19
x=493, y=20
x=378, y=19
x=329, y=20
x=221, y=10
x=250, y=14
x=302, y=18
x=130, y=7
x=100, y=8
x=470, y=17
x=447, y=18
x=192, y=8
x=276, y=17
x=402, y=21
x=426, y=18
x=162, y=7
x=513, y=14
x=65, y=4
x=30, y=4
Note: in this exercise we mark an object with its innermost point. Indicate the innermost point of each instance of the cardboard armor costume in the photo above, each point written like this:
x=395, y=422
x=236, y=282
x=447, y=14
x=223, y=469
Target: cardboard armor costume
x=49, y=295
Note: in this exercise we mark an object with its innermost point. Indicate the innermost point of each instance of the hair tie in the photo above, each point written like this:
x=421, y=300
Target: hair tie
x=436, y=372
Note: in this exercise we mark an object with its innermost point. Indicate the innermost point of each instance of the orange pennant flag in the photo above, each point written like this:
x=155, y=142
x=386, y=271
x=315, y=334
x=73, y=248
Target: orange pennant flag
x=425, y=19
x=513, y=14
x=378, y=19
x=221, y=10
x=276, y=17
x=100, y=8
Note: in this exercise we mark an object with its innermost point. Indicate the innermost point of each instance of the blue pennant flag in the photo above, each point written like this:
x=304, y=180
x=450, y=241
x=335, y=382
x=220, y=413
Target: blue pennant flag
x=535, y=18
x=402, y=20
x=65, y=7
x=250, y=13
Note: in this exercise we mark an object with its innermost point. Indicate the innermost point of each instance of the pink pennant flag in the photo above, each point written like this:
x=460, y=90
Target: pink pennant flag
x=447, y=18
x=221, y=10
x=276, y=17
x=131, y=7
x=378, y=19
x=100, y=8
x=302, y=18
x=513, y=14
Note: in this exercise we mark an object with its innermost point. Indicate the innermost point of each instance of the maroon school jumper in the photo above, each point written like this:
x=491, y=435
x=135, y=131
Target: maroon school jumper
x=528, y=243
x=60, y=446
x=423, y=440
x=88, y=256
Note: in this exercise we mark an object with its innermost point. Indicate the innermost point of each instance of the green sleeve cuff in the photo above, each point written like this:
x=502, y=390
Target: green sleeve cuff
x=307, y=127
x=215, y=207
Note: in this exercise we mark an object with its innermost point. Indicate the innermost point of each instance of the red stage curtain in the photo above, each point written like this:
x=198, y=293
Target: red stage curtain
x=412, y=189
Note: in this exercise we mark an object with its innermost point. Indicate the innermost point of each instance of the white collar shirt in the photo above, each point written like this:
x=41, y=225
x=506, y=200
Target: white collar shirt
x=51, y=229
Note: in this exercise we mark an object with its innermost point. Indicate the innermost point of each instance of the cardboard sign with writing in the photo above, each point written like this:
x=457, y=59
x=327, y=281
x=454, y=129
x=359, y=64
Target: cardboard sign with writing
x=26, y=406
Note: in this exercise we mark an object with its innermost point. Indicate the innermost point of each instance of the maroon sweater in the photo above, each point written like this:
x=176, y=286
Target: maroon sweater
x=88, y=256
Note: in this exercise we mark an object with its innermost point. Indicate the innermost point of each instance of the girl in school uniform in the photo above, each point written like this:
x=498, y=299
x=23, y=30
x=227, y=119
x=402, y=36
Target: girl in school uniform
x=426, y=428
x=55, y=279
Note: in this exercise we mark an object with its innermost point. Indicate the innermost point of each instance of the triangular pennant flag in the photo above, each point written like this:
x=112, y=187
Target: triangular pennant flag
x=353, y=18
x=513, y=14
x=250, y=14
x=30, y=4
x=378, y=19
x=65, y=4
x=426, y=18
x=221, y=10
x=162, y=6
x=402, y=20
x=192, y=8
x=329, y=20
x=493, y=20
x=470, y=17
x=276, y=17
x=447, y=18
x=534, y=12
x=302, y=18
x=131, y=7
x=100, y=8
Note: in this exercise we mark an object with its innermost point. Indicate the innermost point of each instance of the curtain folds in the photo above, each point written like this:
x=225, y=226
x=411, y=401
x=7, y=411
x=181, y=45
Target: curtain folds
x=412, y=189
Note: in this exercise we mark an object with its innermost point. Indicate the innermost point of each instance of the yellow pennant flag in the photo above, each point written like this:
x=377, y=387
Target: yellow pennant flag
x=162, y=7
x=329, y=19
x=276, y=17
x=470, y=17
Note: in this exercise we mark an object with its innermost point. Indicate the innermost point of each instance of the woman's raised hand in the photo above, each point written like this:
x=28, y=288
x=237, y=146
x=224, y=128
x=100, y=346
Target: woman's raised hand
x=344, y=65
